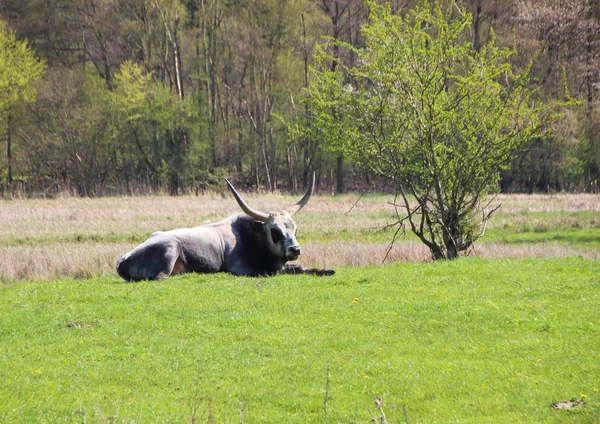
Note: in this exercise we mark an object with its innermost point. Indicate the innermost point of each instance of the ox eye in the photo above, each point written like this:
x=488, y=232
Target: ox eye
x=276, y=235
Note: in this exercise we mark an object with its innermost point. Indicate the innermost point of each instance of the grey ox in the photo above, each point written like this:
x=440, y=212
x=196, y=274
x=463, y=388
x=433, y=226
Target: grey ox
x=252, y=243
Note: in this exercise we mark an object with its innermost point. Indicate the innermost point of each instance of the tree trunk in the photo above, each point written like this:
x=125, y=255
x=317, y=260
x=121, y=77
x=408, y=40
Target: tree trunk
x=335, y=13
x=339, y=187
x=453, y=234
x=9, y=177
x=172, y=35
x=210, y=23
x=477, y=26
x=177, y=60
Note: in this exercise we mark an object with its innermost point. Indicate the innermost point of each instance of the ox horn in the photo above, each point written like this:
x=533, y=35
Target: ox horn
x=260, y=216
x=294, y=209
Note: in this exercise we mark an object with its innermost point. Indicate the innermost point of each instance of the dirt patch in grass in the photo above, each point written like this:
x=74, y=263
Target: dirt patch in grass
x=82, y=324
x=568, y=405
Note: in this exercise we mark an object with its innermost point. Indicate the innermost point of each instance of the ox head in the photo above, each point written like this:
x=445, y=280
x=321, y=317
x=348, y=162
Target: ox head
x=278, y=227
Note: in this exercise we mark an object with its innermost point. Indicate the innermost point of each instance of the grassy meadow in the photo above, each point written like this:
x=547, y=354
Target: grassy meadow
x=500, y=336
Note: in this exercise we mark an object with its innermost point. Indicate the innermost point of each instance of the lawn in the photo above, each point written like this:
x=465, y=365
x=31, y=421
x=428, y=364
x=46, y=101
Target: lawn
x=473, y=341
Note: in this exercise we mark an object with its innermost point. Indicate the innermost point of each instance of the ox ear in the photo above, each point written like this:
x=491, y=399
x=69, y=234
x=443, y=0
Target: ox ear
x=258, y=226
x=253, y=213
x=294, y=209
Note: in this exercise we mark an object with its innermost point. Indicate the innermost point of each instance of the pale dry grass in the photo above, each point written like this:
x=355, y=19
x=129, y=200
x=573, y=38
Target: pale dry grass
x=49, y=262
x=536, y=250
x=59, y=217
x=324, y=255
x=144, y=215
x=80, y=238
x=334, y=254
x=96, y=260
x=548, y=202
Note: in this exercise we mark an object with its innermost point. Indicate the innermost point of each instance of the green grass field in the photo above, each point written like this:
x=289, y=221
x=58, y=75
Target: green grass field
x=469, y=341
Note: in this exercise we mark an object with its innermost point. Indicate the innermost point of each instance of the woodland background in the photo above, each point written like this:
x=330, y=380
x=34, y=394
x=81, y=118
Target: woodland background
x=141, y=96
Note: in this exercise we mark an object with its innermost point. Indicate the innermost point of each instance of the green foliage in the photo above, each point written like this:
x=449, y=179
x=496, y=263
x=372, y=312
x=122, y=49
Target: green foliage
x=470, y=340
x=66, y=134
x=131, y=90
x=158, y=127
x=85, y=137
x=19, y=69
x=425, y=111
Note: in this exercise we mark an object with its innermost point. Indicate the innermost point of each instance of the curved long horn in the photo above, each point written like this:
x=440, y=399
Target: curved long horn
x=260, y=216
x=294, y=209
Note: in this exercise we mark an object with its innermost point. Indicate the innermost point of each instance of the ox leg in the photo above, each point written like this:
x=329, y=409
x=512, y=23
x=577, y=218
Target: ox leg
x=298, y=269
x=152, y=260
x=179, y=267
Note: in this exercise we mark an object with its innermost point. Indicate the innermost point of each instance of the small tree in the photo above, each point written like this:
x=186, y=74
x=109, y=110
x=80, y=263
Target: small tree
x=19, y=69
x=426, y=111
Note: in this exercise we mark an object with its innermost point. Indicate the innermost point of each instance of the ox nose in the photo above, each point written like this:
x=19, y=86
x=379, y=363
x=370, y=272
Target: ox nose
x=295, y=251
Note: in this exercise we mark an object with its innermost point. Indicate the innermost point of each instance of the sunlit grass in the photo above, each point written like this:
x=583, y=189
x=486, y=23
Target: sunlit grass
x=468, y=341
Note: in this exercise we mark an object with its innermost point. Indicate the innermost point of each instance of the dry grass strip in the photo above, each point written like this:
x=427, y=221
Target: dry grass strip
x=85, y=260
x=50, y=239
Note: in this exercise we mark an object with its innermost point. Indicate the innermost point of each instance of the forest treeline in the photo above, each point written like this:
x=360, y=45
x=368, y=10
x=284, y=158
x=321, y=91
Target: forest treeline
x=137, y=96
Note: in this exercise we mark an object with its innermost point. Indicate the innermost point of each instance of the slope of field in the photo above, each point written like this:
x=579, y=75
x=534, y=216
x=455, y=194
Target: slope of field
x=470, y=341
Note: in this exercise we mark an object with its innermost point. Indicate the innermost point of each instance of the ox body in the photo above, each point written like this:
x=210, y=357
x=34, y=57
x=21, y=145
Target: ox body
x=252, y=243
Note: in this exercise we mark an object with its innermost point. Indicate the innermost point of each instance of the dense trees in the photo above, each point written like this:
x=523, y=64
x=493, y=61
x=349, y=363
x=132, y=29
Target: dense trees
x=567, y=36
x=153, y=94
